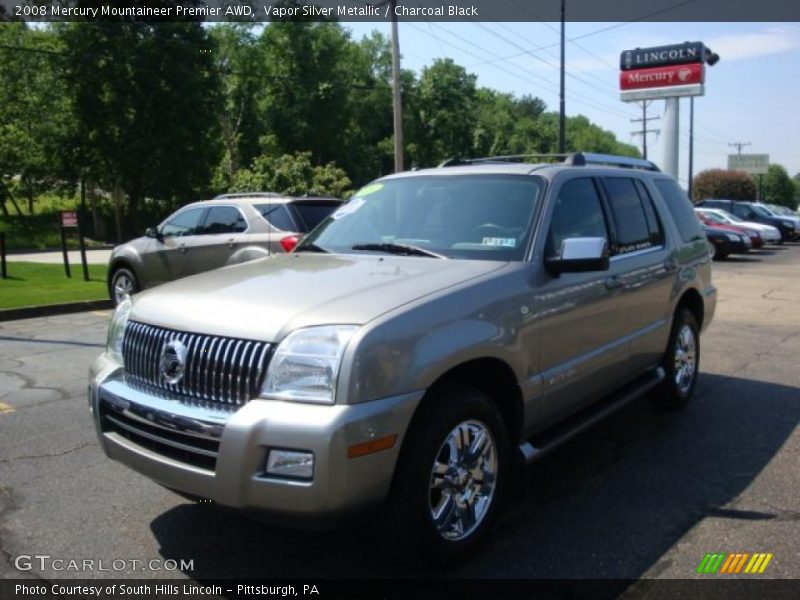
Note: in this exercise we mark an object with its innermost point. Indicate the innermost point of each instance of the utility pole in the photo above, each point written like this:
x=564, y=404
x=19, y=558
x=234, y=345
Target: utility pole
x=738, y=146
x=397, y=99
x=645, y=130
x=562, y=101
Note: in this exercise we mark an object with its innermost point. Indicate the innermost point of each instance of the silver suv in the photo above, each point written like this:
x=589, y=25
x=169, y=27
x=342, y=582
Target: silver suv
x=441, y=325
x=201, y=236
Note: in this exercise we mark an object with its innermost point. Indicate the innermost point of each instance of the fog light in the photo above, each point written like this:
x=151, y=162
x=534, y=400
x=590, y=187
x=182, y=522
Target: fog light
x=290, y=463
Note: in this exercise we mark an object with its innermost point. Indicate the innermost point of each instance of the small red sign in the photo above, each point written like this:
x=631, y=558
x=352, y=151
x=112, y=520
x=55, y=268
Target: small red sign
x=69, y=218
x=673, y=75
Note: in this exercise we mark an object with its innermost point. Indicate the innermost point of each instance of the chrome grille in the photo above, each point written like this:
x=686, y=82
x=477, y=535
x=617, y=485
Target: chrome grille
x=227, y=371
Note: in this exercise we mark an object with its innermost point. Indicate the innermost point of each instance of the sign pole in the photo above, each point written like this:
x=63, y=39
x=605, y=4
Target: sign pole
x=64, y=252
x=691, y=145
x=3, y=254
x=82, y=245
x=670, y=132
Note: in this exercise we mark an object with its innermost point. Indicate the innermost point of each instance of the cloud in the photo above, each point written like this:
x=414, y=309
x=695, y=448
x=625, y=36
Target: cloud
x=773, y=40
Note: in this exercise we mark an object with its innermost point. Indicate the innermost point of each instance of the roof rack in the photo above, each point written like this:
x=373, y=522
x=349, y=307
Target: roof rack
x=249, y=195
x=578, y=159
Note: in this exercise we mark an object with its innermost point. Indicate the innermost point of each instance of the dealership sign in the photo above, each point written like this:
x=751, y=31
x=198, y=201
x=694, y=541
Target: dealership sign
x=662, y=76
x=752, y=164
x=663, y=72
x=676, y=54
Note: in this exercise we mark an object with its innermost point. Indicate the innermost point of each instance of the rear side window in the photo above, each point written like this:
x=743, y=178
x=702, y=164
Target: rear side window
x=577, y=213
x=224, y=219
x=278, y=216
x=681, y=209
x=311, y=214
x=635, y=220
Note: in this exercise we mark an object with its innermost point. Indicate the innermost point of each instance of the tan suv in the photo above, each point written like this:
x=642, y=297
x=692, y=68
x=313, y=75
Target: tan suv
x=201, y=236
x=441, y=326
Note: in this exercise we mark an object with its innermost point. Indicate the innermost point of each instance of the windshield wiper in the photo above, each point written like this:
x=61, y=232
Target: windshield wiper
x=402, y=249
x=310, y=247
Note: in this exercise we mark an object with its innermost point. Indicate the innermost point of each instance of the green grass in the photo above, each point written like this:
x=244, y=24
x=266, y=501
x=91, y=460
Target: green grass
x=32, y=284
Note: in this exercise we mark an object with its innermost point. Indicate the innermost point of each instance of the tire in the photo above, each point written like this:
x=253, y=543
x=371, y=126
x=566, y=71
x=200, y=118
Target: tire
x=681, y=362
x=123, y=282
x=719, y=254
x=438, y=510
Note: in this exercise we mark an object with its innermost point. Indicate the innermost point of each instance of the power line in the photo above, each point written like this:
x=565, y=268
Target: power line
x=590, y=33
x=549, y=84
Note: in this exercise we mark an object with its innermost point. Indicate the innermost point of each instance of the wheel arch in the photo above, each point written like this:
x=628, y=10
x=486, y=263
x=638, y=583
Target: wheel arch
x=496, y=379
x=692, y=301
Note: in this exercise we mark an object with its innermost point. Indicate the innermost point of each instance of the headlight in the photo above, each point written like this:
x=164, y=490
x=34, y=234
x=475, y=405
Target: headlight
x=116, y=331
x=306, y=364
x=788, y=224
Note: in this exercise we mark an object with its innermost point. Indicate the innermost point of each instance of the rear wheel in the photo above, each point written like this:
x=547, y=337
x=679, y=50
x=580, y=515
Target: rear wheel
x=450, y=477
x=681, y=361
x=719, y=253
x=123, y=283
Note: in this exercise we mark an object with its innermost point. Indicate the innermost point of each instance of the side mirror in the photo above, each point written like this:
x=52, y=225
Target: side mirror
x=152, y=232
x=580, y=255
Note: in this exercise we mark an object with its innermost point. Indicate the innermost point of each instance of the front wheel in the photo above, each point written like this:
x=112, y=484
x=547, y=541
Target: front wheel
x=681, y=361
x=123, y=283
x=450, y=477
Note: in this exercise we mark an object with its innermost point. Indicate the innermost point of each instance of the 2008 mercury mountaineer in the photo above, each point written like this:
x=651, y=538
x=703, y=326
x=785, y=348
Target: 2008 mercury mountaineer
x=435, y=328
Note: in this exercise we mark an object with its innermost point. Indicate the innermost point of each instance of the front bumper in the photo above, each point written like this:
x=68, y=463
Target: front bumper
x=220, y=455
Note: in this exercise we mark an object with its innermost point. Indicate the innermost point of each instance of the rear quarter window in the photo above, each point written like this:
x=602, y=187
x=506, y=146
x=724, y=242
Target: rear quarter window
x=681, y=209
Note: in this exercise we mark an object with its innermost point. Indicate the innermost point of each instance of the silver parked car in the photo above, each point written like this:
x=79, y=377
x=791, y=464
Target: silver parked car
x=201, y=236
x=436, y=328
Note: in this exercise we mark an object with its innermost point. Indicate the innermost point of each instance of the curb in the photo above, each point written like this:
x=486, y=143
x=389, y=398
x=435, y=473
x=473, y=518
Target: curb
x=29, y=312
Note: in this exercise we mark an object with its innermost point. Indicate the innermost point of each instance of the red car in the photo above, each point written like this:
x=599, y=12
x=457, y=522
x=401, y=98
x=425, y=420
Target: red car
x=756, y=240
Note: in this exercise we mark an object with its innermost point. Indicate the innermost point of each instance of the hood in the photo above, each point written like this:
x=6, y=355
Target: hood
x=266, y=298
x=758, y=226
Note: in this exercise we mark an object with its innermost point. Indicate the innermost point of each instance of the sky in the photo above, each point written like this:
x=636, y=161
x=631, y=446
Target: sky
x=752, y=93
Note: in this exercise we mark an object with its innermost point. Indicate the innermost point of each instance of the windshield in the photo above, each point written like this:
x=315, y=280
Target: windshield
x=734, y=218
x=713, y=217
x=760, y=210
x=479, y=217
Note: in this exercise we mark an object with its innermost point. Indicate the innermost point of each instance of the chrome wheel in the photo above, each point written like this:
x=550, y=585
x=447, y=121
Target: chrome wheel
x=463, y=478
x=685, y=359
x=123, y=286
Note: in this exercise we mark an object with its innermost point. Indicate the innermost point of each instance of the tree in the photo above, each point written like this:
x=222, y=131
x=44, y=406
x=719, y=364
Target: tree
x=778, y=188
x=447, y=97
x=146, y=101
x=292, y=174
x=585, y=136
x=719, y=183
x=35, y=116
x=236, y=60
x=305, y=101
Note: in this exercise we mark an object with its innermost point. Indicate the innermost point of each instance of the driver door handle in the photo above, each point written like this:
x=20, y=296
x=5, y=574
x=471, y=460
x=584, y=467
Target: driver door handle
x=231, y=243
x=183, y=249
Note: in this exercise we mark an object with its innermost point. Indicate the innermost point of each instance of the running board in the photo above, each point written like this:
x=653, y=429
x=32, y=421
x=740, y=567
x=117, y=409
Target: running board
x=547, y=441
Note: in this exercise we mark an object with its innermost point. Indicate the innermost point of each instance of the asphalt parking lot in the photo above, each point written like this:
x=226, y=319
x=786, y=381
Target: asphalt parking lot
x=644, y=494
